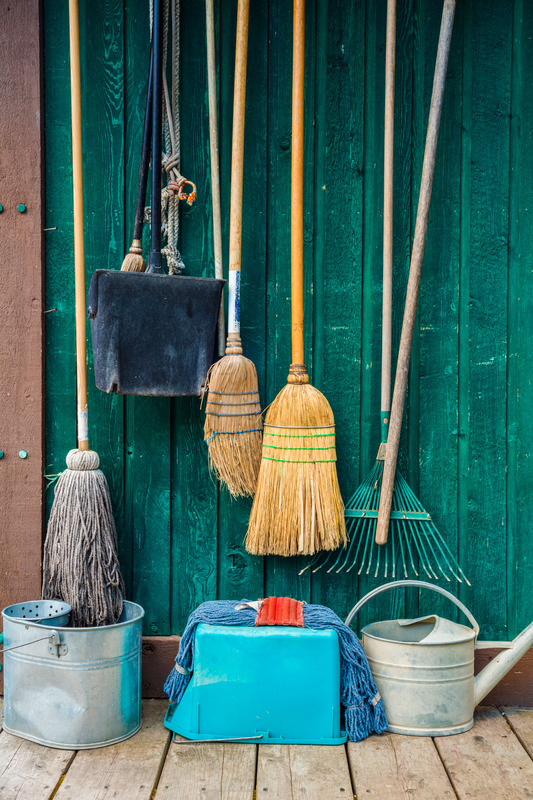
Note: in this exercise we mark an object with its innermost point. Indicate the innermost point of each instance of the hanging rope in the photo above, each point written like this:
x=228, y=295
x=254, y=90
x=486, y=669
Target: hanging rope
x=177, y=188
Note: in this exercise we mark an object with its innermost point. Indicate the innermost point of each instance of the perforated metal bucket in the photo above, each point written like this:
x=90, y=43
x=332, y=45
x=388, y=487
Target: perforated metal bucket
x=73, y=688
x=45, y=612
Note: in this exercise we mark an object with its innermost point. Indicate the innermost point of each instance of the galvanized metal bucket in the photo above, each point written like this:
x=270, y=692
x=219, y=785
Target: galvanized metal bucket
x=424, y=668
x=73, y=688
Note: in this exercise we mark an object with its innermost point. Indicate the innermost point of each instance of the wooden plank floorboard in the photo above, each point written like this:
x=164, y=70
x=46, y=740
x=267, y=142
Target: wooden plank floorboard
x=390, y=766
x=521, y=721
x=288, y=772
x=125, y=771
x=487, y=762
x=29, y=771
x=209, y=772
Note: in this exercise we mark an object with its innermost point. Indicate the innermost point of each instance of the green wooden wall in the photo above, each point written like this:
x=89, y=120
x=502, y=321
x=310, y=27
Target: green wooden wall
x=469, y=422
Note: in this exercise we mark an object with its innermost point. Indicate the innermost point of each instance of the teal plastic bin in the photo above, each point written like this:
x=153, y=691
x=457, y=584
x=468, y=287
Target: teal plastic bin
x=265, y=685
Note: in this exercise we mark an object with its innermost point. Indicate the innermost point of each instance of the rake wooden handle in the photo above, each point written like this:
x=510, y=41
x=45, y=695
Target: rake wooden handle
x=237, y=167
x=297, y=184
x=79, y=245
x=417, y=256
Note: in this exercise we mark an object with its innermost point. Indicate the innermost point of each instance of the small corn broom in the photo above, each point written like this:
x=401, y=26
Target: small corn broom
x=233, y=421
x=414, y=542
x=297, y=507
x=133, y=260
x=80, y=552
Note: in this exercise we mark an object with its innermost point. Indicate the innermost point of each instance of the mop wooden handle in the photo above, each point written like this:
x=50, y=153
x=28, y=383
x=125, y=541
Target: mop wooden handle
x=215, y=167
x=417, y=256
x=388, y=183
x=79, y=252
x=237, y=166
x=297, y=190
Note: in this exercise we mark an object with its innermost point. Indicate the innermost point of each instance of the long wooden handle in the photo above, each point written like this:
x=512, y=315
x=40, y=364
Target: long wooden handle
x=237, y=166
x=417, y=256
x=79, y=247
x=388, y=182
x=297, y=183
x=215, y=167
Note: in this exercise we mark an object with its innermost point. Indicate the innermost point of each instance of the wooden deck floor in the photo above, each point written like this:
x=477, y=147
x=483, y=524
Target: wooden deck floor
x=493, y=760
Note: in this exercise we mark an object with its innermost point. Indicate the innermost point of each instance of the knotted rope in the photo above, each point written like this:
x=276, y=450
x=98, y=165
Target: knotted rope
x=176, y=188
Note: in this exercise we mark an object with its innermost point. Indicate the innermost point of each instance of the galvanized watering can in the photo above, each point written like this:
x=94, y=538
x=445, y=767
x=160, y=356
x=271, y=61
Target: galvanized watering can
x=424, y=667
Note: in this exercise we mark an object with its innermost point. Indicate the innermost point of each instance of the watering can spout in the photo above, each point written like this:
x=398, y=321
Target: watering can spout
x=500, y=666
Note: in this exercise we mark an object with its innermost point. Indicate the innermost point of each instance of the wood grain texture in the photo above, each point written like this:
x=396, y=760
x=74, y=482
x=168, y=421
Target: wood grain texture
x=521, y=723
x=390, y=766
x=520, y=424
x=487, y=761
x=288, y=772
x=488, y=315
x=158, y=654
x=515, y=688
x=240, y=573
x=129, y=769
x=21, y=290
x=210, y=771
x=29, y=771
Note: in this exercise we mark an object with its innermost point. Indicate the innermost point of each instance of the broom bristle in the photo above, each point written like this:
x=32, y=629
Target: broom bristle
x=134, y=261
x=80, y=552
x=298, y=508
x=233, y=423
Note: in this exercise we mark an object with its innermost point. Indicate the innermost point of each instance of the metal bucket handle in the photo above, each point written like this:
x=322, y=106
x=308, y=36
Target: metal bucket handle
x=402, y=585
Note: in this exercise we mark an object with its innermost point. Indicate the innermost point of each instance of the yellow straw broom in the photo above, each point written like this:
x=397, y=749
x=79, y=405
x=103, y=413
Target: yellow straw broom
x=298, y=507
x=233, y=422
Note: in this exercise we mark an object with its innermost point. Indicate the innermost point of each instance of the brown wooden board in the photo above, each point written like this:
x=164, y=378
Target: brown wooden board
x=29, y=771
x=211, y=771
x=21, y=293
x=487, y=761
x=158, y=654
x=389, y=766
x=129, y=769
x=291, y=772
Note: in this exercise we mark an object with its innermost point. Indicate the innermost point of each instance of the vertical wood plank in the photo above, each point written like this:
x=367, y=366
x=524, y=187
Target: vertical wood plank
x=488, y=314
x=282, y=574
x=136, y=58
x=439, y=290
x=241, y=574
x=21, y=289
x=102, y=54
x=520, y=387
x=339, y=107
x=194, y=491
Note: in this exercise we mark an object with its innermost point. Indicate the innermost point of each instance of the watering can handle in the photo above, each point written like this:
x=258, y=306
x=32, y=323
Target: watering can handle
x=402, y=585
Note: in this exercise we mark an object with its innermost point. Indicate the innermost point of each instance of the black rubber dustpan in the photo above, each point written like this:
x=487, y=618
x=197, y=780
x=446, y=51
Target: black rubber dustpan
x=153, y=334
